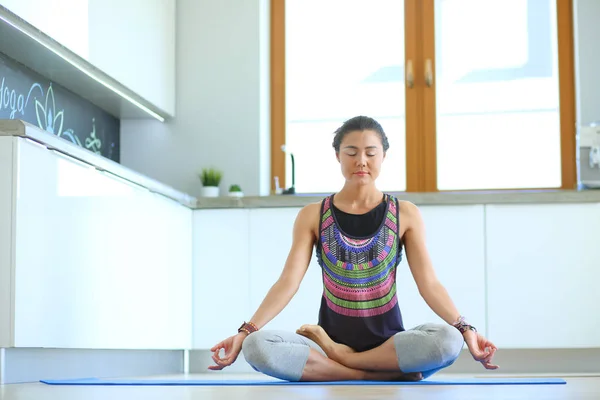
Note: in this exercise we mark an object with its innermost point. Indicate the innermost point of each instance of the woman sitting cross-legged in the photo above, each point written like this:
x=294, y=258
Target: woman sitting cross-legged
x=359, y=234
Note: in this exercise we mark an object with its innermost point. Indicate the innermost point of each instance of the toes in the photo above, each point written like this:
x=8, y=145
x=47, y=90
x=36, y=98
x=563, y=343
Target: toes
x=307, y=328
x=418, y=377
x=302, y=331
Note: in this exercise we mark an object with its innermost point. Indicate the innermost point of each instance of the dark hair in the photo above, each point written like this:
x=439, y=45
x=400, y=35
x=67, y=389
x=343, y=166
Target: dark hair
x=360, y=123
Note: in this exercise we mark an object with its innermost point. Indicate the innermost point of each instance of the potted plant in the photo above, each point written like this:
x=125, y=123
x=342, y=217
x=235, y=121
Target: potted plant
x=211, y=178
x=235, y=191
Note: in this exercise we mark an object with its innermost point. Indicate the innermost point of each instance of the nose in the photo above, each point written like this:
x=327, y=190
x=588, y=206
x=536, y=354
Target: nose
x=361, y=160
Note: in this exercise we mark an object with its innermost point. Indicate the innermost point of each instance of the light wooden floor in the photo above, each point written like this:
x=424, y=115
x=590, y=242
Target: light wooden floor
x=579, y=388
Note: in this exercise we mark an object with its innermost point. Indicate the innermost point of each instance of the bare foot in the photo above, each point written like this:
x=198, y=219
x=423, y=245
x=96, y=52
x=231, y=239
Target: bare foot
x=317, y=334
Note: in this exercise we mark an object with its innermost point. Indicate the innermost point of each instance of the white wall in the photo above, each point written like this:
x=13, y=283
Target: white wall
x=221, y=99
x=587, y=55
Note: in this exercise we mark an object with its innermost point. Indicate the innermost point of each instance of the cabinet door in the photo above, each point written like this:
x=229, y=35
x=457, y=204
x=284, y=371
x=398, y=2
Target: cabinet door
x=455, y=241
x=270, y=243
x=6, y=245
x=133, y=41
x=65, y=21
x=221, y=274
x=543, y=273
x=99, y=262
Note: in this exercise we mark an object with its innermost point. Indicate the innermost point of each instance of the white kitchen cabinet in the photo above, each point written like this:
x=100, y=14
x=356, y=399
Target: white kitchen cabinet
x=131, y=41
x=455, y=241
x=100, y=263
x=221, y=298
x=6, y=232
x=66, y=21
x=270, y=238
x=542, y=275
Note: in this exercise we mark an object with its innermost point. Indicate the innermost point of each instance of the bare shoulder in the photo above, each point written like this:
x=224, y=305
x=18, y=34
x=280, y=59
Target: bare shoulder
x=410, y=215
x=310, y=211
x=308, y=218
x=408, y=209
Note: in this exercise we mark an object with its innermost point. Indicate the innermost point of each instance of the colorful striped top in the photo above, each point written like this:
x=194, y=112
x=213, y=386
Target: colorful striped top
x=359, y=307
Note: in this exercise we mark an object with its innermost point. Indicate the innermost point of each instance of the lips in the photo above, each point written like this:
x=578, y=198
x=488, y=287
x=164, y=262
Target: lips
x=361, y=173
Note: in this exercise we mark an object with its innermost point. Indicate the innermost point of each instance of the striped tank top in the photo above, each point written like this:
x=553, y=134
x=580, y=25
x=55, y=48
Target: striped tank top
x=359, y=307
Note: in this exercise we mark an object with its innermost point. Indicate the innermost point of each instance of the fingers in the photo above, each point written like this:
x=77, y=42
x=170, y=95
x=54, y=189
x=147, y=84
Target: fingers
x=483, y=351
x=487, y=343
x=483, y=355
x=217, y=347
x=220, y=363
x=488, y=365
x=488, y=355
x=486, y=359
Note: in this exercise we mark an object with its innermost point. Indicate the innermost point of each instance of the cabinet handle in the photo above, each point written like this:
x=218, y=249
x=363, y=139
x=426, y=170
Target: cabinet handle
x=410, y=76
x=124, y=181
x=428, y=73
x=71, y=159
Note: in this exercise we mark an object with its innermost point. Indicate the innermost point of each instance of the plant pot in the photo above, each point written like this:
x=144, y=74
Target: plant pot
x=236, y=194
x=210, y=191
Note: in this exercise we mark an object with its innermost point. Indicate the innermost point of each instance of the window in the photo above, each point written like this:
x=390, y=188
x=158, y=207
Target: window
x=491, y=105
x=497, y=98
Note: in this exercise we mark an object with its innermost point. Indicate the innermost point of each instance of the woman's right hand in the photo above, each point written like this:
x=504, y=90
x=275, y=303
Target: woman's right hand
x=232, y=346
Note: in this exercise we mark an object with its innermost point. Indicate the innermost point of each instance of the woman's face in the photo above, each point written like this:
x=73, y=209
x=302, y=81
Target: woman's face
x=360, y=156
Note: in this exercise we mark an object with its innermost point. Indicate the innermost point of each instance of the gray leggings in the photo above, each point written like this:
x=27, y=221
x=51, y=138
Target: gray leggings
x=426, y=348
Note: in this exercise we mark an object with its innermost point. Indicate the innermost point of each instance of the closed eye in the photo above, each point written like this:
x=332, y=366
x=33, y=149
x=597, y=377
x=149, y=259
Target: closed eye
x=354, y=154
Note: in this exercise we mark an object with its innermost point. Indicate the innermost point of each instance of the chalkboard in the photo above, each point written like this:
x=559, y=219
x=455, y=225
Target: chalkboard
x=28, y=96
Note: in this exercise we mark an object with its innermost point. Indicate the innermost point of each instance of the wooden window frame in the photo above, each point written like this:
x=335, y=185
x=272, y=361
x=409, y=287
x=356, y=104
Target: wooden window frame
x=421, y=151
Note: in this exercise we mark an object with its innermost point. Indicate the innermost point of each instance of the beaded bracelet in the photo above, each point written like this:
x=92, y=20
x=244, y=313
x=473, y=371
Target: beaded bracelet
x=462, y=325
x=248, y=327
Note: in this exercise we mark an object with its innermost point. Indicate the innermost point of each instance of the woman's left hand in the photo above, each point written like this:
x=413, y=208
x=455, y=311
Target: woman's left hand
x=481, y=349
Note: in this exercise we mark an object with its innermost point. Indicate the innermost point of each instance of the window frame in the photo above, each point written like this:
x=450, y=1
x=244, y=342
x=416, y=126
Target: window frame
x=421, y=151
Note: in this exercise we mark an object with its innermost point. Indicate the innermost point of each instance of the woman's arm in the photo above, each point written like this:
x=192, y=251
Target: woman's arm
x=431, y=289
x=295, y=267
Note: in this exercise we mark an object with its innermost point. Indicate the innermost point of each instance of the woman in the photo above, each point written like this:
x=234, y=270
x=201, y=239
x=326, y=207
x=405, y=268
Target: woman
x=358, y=234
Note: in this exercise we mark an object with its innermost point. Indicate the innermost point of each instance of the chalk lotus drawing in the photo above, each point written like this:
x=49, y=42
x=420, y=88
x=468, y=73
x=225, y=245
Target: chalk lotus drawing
x=49, y=123
x=52, y=122
x=23, y=96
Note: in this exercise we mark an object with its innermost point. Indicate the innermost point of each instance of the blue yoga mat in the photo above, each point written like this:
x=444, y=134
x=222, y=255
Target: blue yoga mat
x=233, y=382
